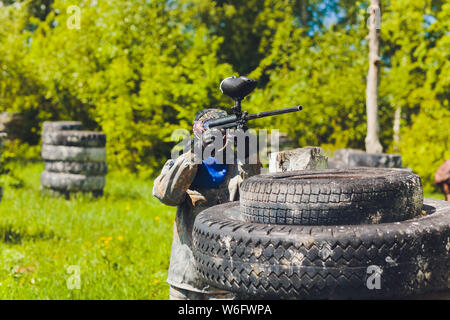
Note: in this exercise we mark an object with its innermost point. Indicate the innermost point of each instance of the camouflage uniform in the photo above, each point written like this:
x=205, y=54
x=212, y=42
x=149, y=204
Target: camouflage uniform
x=173, y=187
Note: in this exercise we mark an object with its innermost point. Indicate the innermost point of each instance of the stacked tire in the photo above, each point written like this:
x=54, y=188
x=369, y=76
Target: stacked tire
x=351, y=158
x=74, y=159
x=321, y=234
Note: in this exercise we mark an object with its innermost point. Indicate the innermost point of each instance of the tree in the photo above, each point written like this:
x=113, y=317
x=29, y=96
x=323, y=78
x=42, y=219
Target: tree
x=373, y=144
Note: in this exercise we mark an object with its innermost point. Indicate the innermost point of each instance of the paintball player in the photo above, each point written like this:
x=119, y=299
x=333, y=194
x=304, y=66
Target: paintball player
x=193, y=185
x=442, y=179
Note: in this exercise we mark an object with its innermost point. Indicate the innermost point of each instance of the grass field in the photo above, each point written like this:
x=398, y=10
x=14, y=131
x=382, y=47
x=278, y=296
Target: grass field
x=120, y=243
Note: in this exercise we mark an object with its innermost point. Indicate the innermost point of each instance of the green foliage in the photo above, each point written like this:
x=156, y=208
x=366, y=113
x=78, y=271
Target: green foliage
x=418, y=55
x=426, y=144
x=12, y=152
x=325, y=74
x=247, y=27
x=36, y=8
x=130, y=69
x=417, y=80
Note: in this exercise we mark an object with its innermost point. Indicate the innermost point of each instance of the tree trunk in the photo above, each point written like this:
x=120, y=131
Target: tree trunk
x=397, y=119
x=304, y=12
x=373, y=144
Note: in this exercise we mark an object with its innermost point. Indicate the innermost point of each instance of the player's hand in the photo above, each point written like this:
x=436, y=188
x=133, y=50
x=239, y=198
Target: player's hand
x=209, y=136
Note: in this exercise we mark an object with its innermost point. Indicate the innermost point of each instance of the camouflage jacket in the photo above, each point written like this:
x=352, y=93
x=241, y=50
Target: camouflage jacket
x=172, y=187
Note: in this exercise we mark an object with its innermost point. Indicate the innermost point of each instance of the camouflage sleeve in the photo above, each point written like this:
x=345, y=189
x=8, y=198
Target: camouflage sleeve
x=176, y=176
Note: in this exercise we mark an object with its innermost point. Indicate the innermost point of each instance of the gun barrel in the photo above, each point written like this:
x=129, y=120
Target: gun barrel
x=273, y=112
x=231, y=121
x=221, y=122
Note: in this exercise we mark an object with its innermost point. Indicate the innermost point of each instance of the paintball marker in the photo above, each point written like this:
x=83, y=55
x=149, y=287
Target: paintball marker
x=237, y=88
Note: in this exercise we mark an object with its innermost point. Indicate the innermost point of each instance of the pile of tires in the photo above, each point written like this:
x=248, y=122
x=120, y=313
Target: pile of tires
x=351, y=158
x=75, y=160
x=326, y=234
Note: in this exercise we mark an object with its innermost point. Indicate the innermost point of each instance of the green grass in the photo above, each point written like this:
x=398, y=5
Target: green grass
x=120, y=242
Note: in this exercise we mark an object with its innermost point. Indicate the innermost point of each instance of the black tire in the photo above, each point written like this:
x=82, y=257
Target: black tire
x=72, y=182
x=332, y=197
x=50, y=126
x=75, y=154
x=68, y=194
x=74, y=138
x=351, y=158
x=320, y=262
x=87, y=168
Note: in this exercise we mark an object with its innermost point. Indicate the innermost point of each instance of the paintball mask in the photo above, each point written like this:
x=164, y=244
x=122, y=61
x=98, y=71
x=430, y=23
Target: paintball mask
x=203, y=117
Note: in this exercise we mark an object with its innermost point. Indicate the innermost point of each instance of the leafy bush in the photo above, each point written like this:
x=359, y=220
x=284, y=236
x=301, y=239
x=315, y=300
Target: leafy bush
x=133, y=71
x=14, y=152
x=426, y=144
